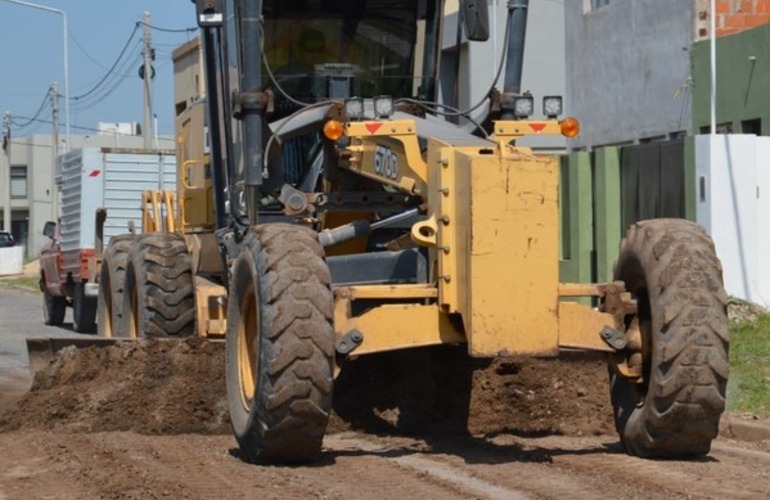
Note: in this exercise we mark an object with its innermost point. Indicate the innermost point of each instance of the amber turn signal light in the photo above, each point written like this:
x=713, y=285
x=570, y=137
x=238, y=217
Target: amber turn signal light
x=570, y=127
x=333, y=130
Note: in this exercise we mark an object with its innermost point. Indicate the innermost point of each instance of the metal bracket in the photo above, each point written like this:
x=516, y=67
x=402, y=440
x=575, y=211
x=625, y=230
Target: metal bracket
x=251, y=101
x=614, y=338
x=349, y=342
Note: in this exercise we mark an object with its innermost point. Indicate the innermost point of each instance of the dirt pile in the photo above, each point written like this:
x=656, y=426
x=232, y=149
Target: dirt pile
x=161, y=387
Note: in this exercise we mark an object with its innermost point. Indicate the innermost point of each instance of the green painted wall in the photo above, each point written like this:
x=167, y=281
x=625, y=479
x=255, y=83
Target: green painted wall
x=743, y=83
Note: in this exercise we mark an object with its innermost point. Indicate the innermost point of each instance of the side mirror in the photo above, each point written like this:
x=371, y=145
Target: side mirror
x=476, y=20
x=49, y=229
x=209, y=13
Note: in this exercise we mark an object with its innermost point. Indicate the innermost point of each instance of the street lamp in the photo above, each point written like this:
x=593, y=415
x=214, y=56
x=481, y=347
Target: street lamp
x=66, y=61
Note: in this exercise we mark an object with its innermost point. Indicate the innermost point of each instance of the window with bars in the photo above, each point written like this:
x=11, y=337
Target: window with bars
x=18, y=181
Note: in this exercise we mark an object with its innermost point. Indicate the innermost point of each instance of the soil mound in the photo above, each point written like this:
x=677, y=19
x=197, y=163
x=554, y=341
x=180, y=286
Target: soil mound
x=175, y=387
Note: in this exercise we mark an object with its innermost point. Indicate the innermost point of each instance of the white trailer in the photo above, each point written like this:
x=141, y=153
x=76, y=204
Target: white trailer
x=94, y=183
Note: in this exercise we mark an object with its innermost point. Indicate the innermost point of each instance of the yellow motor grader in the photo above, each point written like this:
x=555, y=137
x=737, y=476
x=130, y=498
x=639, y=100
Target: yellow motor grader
x=335, y=208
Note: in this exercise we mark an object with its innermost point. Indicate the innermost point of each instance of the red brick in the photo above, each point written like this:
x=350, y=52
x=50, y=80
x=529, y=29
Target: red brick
x=747, y=6
x=763, y=6
x=735, y=21
x=723, y=6
x=725, y=32
x=753, y=20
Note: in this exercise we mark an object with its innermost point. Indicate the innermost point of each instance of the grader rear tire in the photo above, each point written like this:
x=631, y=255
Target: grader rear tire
x=159, y=295
x=109, y=311
x=280, y=345
x=83, y=310
x=672, y=270
x=54, y=307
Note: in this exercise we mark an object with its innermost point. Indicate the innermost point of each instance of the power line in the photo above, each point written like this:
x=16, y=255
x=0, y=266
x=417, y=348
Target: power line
x=37, y=113
x=89, y=129
x=169, y=30
x=112, y=68
x=106, y=91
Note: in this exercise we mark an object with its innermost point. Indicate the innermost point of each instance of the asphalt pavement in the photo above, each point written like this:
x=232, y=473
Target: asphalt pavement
x=21, y=317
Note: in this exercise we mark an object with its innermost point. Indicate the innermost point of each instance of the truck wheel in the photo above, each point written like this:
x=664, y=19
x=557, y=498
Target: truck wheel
x=280, y=345
x=54, y=307
x=159, y=297
x=672, y=270
x=83, y=310
x=111, y=283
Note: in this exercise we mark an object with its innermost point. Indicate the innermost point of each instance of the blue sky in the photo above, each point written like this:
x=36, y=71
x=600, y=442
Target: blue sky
x=33, y=58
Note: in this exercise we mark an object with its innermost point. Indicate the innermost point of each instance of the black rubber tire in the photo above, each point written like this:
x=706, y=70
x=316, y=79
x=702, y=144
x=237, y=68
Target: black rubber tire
x=159, y=292
x=672, y=270
x=83, y=310
x=280, y=345
x=111, y=284
x=54, y=307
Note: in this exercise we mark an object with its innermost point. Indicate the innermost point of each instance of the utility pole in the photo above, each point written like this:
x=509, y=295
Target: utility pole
x=55, y=160
x=6, y=173
x=147, y=77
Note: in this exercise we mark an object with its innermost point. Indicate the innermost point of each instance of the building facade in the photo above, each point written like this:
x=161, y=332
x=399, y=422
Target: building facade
x=31, y=179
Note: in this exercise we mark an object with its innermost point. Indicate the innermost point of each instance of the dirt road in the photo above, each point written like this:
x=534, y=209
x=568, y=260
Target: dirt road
x=148, y=420
x=128, y=465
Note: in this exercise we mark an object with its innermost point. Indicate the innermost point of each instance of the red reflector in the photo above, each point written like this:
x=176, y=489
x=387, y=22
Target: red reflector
x=94, y=173
x=373, y=127
x=537, y=127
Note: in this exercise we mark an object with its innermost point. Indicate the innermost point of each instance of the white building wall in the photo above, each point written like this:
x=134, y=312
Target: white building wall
x=733, y=198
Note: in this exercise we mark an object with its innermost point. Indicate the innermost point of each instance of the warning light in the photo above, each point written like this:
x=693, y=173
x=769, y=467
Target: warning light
x=570, y=127
x=333, y=130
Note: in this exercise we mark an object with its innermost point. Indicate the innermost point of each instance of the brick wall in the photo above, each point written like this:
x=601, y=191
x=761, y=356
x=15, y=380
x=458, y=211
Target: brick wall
x=733, y=16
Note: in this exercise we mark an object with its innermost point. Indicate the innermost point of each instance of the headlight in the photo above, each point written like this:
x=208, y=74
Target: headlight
x=552, y=106
x=523, y=106
x=354, y=108
x=383, y=107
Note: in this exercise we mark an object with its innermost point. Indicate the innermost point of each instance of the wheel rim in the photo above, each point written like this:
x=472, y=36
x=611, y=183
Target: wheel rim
x=644, y=315
x=133, y=317
x=247, y=347
x=107, y=299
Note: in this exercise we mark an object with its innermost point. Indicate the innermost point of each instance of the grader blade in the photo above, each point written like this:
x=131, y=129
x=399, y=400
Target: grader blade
x=42, y=350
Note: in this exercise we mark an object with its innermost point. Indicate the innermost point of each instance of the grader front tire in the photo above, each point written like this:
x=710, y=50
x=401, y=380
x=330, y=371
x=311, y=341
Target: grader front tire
x=159, y=293
x=280, y=345
x=672, y=270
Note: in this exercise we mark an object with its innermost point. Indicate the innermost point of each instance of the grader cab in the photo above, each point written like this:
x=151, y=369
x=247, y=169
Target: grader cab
x=337, y=210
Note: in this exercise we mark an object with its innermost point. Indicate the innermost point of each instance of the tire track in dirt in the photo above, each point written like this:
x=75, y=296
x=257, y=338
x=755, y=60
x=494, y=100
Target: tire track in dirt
x=718, y=475
x=26, y=466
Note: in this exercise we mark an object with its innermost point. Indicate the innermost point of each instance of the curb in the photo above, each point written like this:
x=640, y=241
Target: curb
x=743, y=430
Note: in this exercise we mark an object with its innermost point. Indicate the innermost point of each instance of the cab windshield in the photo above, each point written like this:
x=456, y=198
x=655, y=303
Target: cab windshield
x=341, y=48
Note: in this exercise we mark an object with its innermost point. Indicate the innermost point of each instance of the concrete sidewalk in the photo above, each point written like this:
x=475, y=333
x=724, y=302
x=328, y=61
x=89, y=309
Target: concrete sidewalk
x=744, y=428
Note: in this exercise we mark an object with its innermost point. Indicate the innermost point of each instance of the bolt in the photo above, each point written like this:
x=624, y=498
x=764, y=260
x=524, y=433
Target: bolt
x=445, y=220
x=445, y=162
x=444, y=191
x=356, y=337
x=446, y=278
x=343, y=293
x=446, y=249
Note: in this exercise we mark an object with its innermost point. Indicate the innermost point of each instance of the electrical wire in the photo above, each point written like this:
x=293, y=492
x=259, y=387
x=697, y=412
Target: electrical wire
x=169, y=30
x=432, y=106
x=106, y=92
x=78, y=127
x=37, y=113
x=112, y=68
